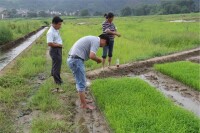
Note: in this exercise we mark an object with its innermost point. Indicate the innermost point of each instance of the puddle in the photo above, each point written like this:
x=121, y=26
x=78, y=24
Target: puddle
x=183, y=21
x=82, y=23
x=179, y=93
x=24, y=122
x=25, y=116
x=7, y=57
x=82, y=127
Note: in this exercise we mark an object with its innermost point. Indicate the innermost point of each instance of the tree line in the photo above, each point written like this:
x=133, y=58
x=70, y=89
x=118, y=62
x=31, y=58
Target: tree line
x=164, y=8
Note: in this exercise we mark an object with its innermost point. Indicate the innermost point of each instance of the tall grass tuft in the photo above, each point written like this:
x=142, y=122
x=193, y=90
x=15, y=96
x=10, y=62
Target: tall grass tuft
x=6, y=34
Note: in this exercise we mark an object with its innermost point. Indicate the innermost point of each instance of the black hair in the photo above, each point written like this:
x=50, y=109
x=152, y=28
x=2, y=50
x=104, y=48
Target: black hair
x=110, y=15
x=105, y=15
x=56, y=20
x=105, y=37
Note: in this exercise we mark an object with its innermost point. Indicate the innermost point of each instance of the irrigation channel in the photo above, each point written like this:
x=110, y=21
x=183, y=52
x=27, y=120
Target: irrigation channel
x=8, y=56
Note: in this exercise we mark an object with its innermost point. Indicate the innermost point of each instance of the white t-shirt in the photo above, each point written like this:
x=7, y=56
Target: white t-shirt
x=53, y=36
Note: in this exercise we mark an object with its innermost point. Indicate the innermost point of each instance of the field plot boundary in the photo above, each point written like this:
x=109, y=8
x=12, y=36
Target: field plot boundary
x=125, y=69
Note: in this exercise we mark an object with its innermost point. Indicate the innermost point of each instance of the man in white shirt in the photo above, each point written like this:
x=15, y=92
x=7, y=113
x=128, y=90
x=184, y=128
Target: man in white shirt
x=55, y=42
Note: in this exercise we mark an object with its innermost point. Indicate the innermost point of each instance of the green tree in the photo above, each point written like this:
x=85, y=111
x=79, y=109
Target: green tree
x=85, y=13
x=98, y=13
x=127, y=11
x=32, y=14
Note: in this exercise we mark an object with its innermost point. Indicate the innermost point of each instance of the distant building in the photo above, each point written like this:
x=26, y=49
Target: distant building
x=22, y=12
x=55, y=13
x=2, y=16
x=1, y=13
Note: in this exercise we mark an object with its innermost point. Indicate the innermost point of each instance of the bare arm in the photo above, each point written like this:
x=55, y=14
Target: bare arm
x=54, y=45
x=95, y=58
x=112, y=32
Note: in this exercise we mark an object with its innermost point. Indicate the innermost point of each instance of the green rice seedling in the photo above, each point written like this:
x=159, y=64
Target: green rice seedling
x=183, y=71
x=132, y=105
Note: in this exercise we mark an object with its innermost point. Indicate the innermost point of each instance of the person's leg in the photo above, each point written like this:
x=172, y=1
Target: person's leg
x=105, y=51
x=84, y=104
x=51, y=53
x=60, y=64
x=78, y=70
x=56, y=68
x=110, y=51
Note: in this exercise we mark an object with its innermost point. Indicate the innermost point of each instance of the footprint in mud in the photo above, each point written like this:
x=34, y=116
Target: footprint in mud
x=25, y=112
x=186, y=94
x=82, y=126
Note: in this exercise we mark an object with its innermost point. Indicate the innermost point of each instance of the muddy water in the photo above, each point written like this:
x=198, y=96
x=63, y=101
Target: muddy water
x=183, y=21
x=182, y=95
x=8, y=56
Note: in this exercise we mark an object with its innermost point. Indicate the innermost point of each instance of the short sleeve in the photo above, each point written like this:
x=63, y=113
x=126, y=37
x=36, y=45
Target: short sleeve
x=49, y=37
x=94, y=47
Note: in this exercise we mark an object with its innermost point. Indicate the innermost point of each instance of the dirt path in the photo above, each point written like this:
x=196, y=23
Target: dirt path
x=25, y=115
x=87, y=121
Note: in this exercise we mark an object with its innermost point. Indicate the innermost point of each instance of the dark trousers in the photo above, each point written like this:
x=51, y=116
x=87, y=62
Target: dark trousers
x=56, y=56
x=108, y=50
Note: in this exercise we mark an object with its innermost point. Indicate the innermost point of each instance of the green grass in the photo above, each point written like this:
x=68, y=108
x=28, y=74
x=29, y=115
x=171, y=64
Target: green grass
x=133, y=106
x=142, y=37
x=183, y=71
x=16, y=28
x=18, y=82
x=5, y=122
x=49, y=104
x=46, y=124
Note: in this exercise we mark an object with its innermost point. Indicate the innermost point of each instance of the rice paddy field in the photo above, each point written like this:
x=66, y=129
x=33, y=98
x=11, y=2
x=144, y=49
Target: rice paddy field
x=142, y=37
x=130, y=105
x=185, y=72
x=133, y=106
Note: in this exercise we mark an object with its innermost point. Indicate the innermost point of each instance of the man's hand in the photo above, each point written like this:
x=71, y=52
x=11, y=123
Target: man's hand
x=60, y=46
x=95, y=58
x=55, y=45
x=98, y=60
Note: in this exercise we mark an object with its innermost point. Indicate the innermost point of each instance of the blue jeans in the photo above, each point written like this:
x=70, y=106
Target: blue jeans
x=78, y=69
x=108, y=49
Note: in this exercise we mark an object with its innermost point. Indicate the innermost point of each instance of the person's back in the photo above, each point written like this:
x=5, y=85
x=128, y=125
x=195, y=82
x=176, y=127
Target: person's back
x=81, y=51
x=84, y=46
